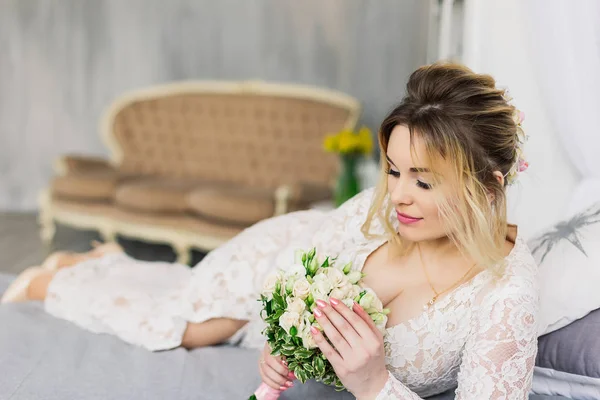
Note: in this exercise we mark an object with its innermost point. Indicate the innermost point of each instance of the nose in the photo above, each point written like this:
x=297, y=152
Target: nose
x=401, y=192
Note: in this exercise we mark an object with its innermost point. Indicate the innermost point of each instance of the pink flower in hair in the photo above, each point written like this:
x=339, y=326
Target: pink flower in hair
x=523, y=165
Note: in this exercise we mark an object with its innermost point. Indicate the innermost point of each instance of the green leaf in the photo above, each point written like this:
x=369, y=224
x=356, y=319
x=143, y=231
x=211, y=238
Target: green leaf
x=280, y=301
x=293, y=331
x=303, y=353
x=288, y=347
x=271, y=336
x=297, y=341
x=269, y=307
x=325, y=263
x=287, y=353
x=301, y=375
x=318, y=365
x=280, y=334
x=310, y=371
x=253, y=397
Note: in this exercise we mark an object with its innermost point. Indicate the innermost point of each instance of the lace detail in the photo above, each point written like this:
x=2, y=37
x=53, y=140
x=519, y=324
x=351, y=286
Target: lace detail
x=481, y=336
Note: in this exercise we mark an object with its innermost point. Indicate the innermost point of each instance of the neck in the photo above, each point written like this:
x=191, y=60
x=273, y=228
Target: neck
x=438, y=248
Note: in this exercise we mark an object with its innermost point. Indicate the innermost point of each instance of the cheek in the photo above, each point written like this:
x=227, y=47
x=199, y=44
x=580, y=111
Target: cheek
x=430, y=210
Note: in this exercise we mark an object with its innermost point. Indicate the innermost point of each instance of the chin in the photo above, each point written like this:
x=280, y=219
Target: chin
x=414, y=234
x=411, y=234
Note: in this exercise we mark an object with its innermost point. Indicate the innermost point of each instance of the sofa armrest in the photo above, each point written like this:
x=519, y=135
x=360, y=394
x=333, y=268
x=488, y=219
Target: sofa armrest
x=68, y=164
x=297, y=196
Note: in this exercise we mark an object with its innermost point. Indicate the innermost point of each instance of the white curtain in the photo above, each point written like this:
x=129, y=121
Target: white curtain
x=565, y=43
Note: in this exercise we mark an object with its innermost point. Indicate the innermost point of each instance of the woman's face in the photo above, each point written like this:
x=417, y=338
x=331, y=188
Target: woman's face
x=411, y=188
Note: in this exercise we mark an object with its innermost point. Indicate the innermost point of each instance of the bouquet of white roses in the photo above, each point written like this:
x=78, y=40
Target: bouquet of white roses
x=289, y=296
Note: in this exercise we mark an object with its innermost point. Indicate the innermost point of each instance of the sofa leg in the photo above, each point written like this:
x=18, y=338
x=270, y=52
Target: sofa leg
x=108, y=236
x=46, y=219
x=183, y=252
x=47, y=232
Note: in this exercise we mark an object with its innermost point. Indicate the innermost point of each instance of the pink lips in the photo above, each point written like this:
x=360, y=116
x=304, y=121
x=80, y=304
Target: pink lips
x=407, y=219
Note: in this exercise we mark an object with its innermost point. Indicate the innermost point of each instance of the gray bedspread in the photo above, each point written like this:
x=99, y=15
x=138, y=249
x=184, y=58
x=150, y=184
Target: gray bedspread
x=42, y=357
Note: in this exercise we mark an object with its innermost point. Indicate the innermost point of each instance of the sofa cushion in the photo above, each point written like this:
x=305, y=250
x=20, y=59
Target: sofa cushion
x=232, y=205
x=156, y=195
x=90, y=186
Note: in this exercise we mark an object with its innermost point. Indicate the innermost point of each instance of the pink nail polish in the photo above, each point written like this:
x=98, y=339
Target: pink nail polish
x=314, y=330
x=289, y=384
x=318, y=313
x=282, y=388
x=321, y=304
x=291, y=375
x=334, y=301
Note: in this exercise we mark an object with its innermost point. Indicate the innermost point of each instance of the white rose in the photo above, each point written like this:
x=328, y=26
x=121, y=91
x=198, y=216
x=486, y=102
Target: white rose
x=380, y=321
x=289, y=319
x=269, y=286
x=349, y=303
x=354, y=276
x=376, y=305
x=296, y=305
x=301, y=288
x=337, y=293
x=321, y=287
x=296, y=271
x=308, y=341
x=366, y=301
x=354, y=291
x=336, y=277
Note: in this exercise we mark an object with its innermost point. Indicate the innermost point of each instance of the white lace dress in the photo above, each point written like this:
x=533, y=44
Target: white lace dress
x=482, y=336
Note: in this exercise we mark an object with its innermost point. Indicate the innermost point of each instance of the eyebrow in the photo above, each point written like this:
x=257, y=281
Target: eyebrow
x=419, y=170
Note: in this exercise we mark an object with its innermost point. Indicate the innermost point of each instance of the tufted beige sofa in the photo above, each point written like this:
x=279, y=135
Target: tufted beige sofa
x=192, y=164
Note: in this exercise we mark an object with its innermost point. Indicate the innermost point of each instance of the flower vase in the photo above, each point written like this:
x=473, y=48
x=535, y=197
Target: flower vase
x=347, y=183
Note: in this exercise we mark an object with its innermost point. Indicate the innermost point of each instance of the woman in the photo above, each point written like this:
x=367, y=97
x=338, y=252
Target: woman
x=432, y=239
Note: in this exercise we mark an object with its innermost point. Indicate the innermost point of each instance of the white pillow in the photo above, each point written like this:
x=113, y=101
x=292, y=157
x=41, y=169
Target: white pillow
x=568, y=256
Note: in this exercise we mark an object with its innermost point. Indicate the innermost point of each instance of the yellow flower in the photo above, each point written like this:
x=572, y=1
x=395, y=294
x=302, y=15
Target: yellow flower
x=331, y=143
x=347, y=141
x=366, y=140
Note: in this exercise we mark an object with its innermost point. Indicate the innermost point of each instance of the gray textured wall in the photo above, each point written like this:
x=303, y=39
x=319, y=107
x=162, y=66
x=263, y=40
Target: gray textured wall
x=62, y=61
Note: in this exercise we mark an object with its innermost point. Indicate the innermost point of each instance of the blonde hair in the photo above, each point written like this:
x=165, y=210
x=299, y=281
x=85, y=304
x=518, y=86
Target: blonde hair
x=462, y=118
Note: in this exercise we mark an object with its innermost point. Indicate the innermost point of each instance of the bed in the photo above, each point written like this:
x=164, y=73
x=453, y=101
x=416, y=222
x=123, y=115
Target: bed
x=42, y=357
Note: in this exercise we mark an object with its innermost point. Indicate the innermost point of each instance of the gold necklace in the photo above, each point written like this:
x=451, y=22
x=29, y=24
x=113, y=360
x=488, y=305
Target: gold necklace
x=438, y=294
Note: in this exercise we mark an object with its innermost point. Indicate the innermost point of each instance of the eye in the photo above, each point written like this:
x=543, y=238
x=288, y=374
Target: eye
x=423, y=185
x=395, y=174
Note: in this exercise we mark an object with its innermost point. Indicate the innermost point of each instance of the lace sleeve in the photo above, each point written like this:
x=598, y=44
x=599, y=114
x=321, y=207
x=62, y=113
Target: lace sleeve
x=499, y=355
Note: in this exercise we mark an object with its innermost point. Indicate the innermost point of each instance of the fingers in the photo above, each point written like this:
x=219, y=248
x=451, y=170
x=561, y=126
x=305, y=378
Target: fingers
x=361, y=326
x=273, y=378
x=277, y=365
x=336, y=328
x=330, y=353
x=367, y=318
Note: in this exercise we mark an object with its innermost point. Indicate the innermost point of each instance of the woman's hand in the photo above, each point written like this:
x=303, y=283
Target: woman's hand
x=274, y=371
x=357, y=355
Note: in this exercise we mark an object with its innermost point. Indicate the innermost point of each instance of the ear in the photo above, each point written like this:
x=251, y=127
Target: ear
x=500, y=178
